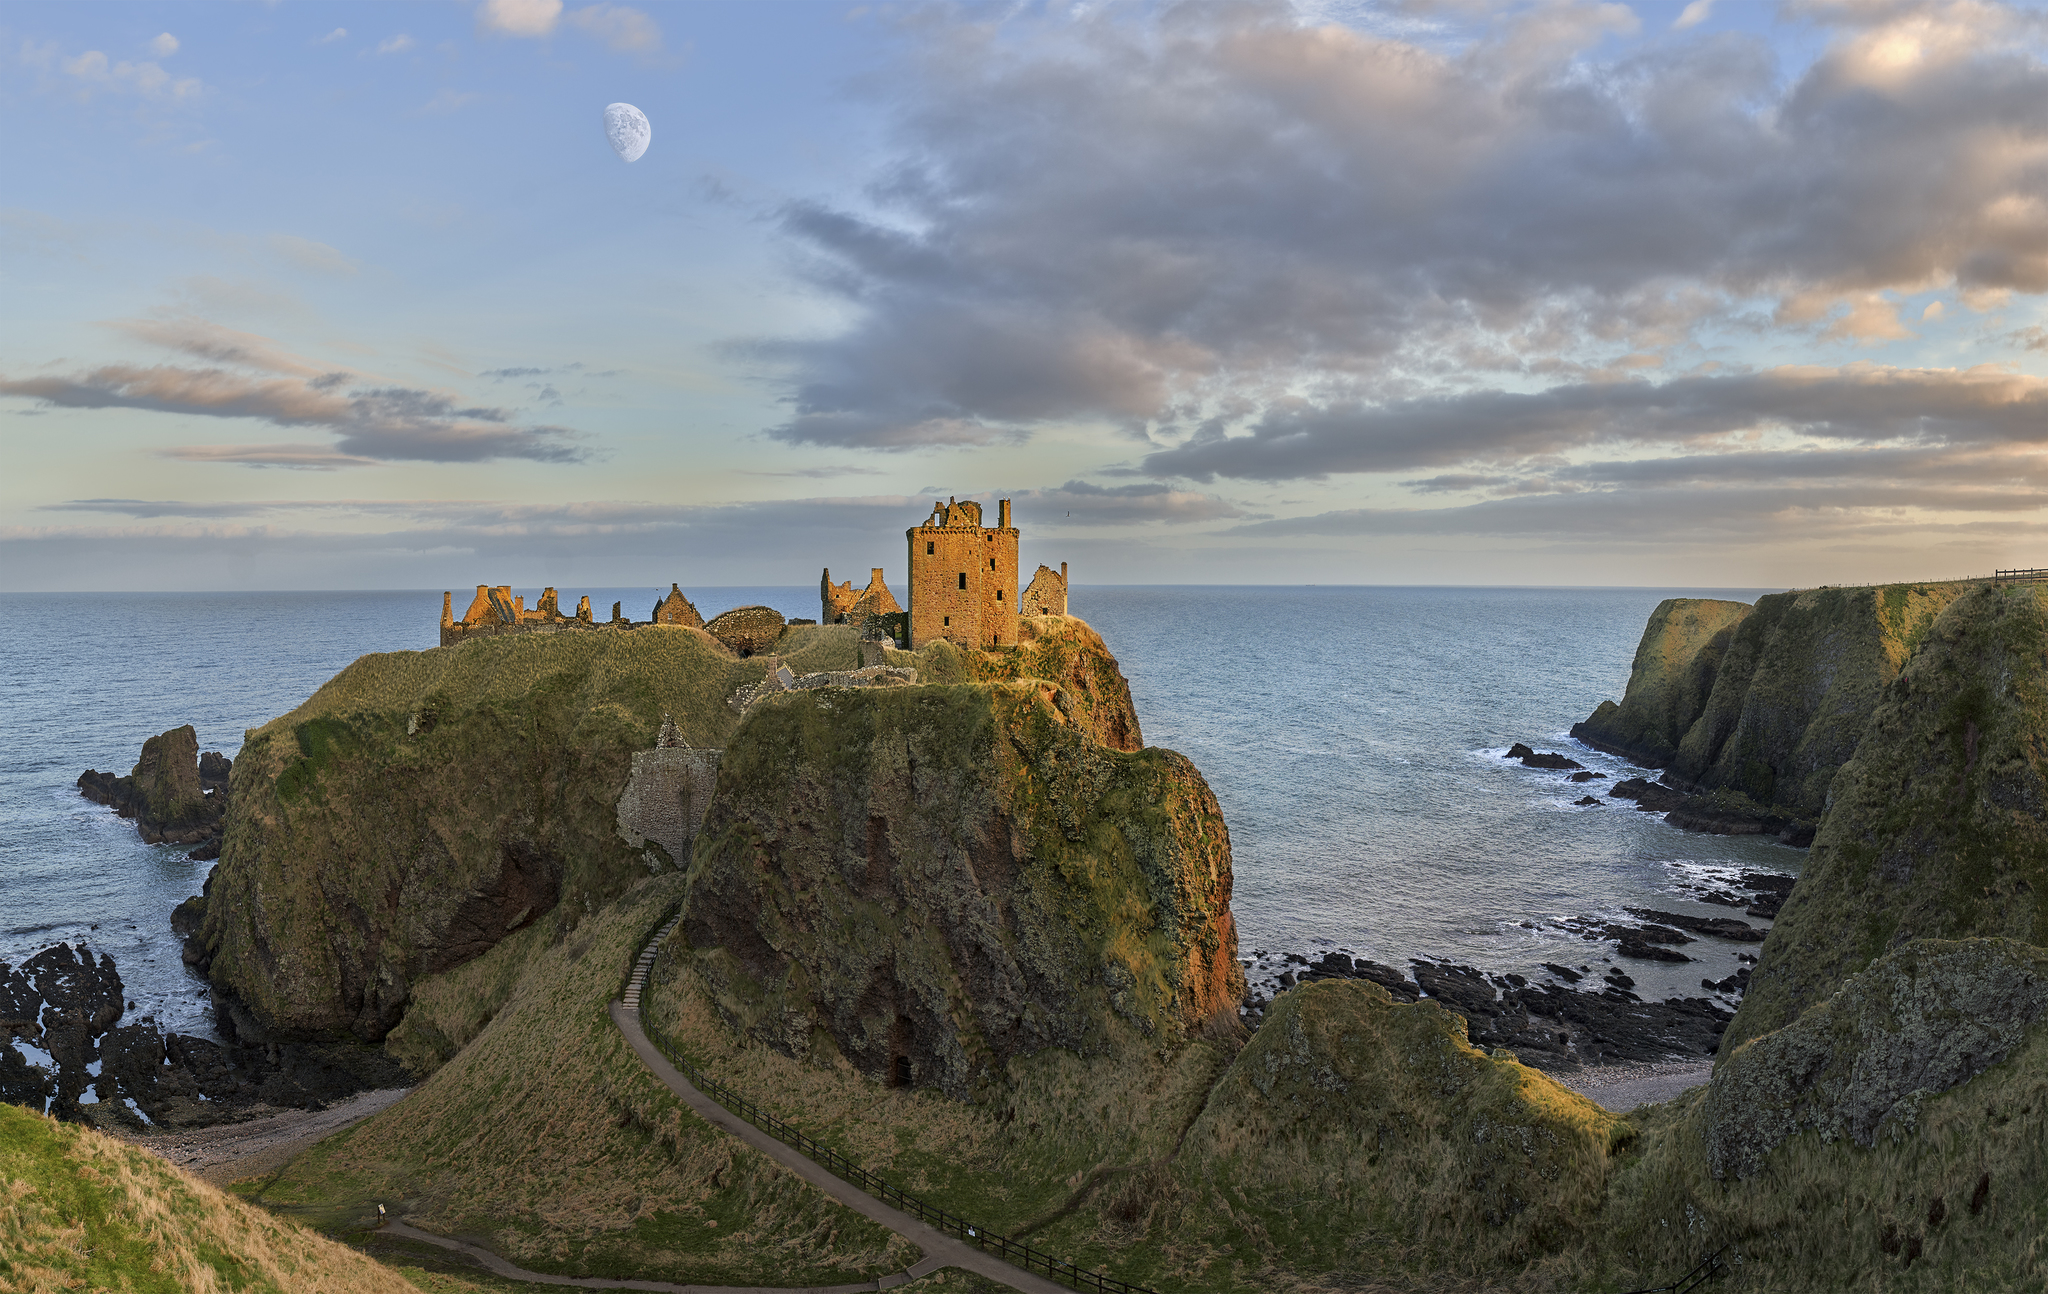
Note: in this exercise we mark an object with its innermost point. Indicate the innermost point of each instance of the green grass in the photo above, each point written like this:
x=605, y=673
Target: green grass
x=79, y=1210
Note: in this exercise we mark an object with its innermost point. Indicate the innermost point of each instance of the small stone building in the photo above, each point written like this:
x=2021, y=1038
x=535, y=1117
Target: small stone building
x=963, y=577
x=1047, y=595
x=675, y=609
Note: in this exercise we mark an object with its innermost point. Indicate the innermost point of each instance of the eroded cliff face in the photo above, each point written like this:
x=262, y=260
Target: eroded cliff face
x=422, y=806
x=1669, y=681
x=928, y=881
x=1935, y=828
x=1761, y=710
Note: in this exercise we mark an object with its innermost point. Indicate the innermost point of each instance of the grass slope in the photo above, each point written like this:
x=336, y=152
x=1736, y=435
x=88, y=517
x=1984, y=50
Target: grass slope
x=79, y=1210
x=547, y=1139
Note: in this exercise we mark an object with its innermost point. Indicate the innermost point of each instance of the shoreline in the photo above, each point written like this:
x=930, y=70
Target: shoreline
x=228, y=1152
x=1621, y=1088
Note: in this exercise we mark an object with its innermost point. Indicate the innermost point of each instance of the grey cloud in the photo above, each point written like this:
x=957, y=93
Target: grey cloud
x=1083, y=503
x=1139, y=221
x=380, y=424
x=1856, y=406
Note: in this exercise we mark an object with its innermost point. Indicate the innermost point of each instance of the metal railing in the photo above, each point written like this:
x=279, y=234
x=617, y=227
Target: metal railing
x=1023, y=1255
x=1705, y=1270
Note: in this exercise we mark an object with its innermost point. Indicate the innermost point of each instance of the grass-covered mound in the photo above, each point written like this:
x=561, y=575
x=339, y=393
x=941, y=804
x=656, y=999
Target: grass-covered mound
x=1954, y=1198
x=547, y=1139
x=79, y=1210
x=422, y=805
x=1937, y=826
x=944, y=876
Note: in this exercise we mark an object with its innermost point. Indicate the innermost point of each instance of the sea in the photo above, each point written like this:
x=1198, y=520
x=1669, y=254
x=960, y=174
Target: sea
x=1354, y=736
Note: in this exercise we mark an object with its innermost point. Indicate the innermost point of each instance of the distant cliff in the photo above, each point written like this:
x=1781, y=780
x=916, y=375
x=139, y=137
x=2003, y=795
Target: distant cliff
x=1760, y=707
x=1936, y=827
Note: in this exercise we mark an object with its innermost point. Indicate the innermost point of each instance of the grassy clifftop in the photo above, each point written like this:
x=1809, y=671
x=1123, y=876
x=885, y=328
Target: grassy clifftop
x=79, y=1210
x=421, y=806
x=1936, y=828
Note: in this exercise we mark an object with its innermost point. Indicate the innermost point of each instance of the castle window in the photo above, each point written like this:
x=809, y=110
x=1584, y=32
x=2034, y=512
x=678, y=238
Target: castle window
x=991, y=563
x=999, y=595
x=930, y=547
x=948, y=621
x=963, y=579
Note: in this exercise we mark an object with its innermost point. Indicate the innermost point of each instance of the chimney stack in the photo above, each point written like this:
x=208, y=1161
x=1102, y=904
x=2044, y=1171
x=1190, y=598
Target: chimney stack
x=1003, y=515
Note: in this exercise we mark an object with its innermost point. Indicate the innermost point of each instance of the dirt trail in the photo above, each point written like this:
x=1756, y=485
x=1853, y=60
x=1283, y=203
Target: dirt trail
x=231, y=1151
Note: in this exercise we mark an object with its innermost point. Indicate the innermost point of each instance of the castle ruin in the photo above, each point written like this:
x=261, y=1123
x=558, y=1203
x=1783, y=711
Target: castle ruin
x=840, y=605
x=962, y=589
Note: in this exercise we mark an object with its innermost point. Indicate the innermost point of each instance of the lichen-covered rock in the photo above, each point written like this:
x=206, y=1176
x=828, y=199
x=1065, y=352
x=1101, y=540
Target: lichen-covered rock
x=1065, y=652
x=421, y=806
x=929, y=880
x=1349, y=1117
x=1913, y=1024
x=172, y=805
x=1668, y=683
x=1936, y=828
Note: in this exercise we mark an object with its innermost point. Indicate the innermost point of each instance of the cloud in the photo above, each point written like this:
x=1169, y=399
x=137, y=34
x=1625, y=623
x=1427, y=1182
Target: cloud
x=191, y=335
x=1081, y=503
x=164, y=45
x=450, y=101
x=398, y=44
x=1189, y=224
x=821, y=473
x=307, y=254
x=1862, y=406
x=148, y=80
x=624, y=30
x=1693, y=15
x=528, y=18
x=370, y=423
x=339, y=33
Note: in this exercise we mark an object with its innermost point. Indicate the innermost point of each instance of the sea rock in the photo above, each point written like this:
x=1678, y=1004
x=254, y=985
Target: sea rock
x=1584, y=776
x=1549, y=759
x=1650, y=952
x=1649, y=796
x=175, y=795
x=1587, y=802
x=1911, y=1025
x=1718, y=927
x=1938, y=828
x=1014, y=883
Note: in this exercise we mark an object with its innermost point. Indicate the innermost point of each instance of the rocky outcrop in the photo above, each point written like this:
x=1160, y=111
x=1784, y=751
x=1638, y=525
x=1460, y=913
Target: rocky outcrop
x=176, y=795
x=1910, y=1026
x=1936, y=827
x=423, y=805
x=930, y=880
x=1756, y=712
x=1668, y=683
x=1074, y=670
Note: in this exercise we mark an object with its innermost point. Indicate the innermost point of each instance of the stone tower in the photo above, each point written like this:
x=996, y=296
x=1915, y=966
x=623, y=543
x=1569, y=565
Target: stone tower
x=963, y=577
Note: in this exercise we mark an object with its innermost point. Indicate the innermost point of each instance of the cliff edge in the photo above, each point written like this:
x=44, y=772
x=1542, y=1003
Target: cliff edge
x=1936, y=827
x=1758, y=710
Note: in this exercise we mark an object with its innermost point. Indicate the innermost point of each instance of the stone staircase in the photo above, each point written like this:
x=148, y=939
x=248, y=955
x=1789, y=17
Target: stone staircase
x=645, y=964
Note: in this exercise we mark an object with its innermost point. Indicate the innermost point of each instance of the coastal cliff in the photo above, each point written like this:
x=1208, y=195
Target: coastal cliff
x=422, y=806
x=929, y=881
x=1935, y=830
x=1755, y=710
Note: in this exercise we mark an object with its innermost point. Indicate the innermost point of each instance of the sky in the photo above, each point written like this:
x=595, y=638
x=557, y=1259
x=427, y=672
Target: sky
x=1706, y=294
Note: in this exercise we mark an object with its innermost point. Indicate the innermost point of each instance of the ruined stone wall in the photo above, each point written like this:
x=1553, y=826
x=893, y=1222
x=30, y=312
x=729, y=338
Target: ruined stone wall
x=666, y=798
x=834, y=600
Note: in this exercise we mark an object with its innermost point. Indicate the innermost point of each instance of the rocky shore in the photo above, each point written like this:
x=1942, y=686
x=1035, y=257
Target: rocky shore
x=65, y=1052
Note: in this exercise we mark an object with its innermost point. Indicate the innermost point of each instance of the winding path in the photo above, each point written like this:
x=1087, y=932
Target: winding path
x=940, y=1249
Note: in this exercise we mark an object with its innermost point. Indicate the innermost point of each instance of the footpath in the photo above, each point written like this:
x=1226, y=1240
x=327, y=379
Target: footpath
x=940, y=1249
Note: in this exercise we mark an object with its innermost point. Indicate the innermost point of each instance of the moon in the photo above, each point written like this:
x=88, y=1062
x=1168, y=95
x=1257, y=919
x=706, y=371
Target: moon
x=626, y=126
